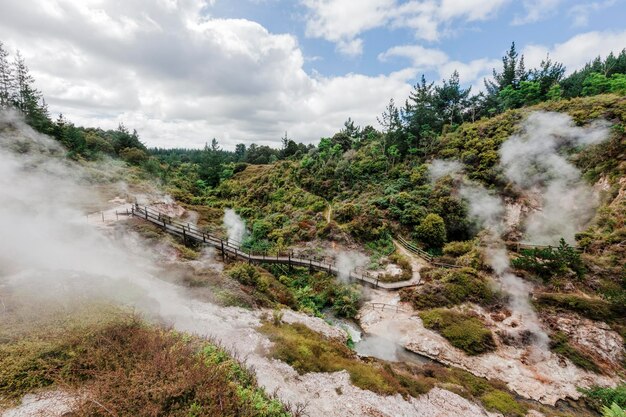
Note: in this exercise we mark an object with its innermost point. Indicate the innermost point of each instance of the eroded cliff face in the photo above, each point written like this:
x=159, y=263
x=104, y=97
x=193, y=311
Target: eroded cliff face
x=546, y=379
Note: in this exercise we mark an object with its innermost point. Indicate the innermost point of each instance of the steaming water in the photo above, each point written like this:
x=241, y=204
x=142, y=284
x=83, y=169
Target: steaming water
x=385, y=348
x=235, y=227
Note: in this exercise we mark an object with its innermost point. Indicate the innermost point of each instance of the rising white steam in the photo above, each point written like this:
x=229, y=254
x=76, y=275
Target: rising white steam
x=531, y=160
x=348, y=261
x=235, y=227
x=439, y=168
x=49, y=249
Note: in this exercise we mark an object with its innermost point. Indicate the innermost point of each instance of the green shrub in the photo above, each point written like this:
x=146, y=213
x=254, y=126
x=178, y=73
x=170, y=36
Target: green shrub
x=451, y=287
x=613, y=411
x=599, y=397
x=457, y=249
x=464, y=332
x=266, y=290
x=549, y=262
x=592, y=308
x=432, y=231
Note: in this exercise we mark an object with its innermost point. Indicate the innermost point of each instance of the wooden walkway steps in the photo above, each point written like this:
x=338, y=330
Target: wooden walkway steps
x=233, y=250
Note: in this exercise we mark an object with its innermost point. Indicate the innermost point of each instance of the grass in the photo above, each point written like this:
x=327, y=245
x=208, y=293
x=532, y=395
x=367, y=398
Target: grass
x=503, y=402
x=463, y=331
x=308, y=351
x=127, y=367
x=560, y=345
x=592, y=308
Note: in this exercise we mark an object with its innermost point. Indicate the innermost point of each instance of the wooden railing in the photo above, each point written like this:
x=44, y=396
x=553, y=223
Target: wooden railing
x=423, y=254
x=383, y=306
x=233, y=250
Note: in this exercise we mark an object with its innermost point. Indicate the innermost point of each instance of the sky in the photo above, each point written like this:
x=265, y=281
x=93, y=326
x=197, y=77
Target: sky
x=182, y=72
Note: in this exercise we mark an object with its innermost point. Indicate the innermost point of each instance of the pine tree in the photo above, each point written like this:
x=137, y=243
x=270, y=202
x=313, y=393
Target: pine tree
x=28, y=99
x=6, y=78
x=451, y=100
x=420, y=116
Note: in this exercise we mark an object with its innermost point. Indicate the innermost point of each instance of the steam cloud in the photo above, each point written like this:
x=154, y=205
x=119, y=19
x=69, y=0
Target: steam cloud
x=348, y=261
x=532, y=162
x=48, y=248
x=235, y=226
x=440, y=168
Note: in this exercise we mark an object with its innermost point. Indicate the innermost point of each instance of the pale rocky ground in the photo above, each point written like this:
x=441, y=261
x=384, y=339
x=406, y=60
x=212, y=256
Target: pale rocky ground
x=325, y=395
x=45, y=404
x=547, y=380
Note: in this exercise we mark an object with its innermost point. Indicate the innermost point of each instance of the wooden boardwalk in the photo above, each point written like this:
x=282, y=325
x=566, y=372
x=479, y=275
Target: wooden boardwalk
x=232, y=250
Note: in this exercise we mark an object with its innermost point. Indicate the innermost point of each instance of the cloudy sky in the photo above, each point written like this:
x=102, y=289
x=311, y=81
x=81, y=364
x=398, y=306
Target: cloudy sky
x=184, y=71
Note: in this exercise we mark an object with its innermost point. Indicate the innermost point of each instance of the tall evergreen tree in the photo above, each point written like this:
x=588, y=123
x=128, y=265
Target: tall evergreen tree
x=27, y=98
x=420, y=116
x=6, y=78
x=451, y=100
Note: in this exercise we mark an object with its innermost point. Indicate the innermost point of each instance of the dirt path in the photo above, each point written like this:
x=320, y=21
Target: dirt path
x=416, y=263
x=328, y=212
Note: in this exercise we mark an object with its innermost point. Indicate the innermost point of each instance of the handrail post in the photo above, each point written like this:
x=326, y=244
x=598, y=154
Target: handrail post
x=223, y=253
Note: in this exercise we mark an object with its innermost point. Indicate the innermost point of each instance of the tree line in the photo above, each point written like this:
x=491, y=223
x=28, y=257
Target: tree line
x=18, y=92
x=430, y=110
x=410, y=130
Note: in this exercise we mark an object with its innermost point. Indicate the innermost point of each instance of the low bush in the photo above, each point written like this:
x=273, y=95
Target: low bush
x=308, y=351
x=592, y=308
x=446, y=288
x=315, y=292
x=503, y=402
x=463, y=331
x=456, y=249
x=560, y=345
x=549, y=262
x=264, y=288
x=598, y=397
x=130, y=368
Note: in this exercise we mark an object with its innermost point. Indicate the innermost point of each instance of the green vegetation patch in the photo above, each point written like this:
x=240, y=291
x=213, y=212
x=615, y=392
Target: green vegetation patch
x=308, y=351
x=131, y=368
x=447, y=288
x=261, y=285
x=463, y=331
x=503, y=402
x=560, y=345
x=551, y=261
x=592, y=308
x=598, y=397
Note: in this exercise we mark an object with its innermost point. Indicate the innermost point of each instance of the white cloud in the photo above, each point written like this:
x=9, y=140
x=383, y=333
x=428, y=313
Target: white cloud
x=579, y=13
x=422, y=58
x=181, y=78
x=536, y=10
x=343, y=21
x=578, y=50
x=427, y=59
